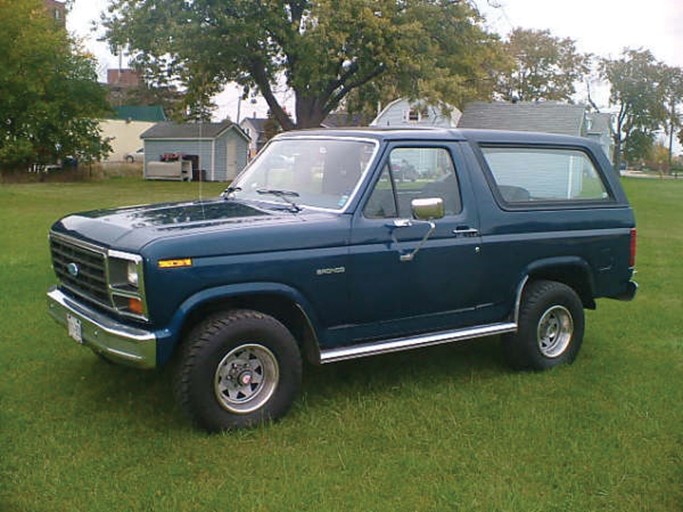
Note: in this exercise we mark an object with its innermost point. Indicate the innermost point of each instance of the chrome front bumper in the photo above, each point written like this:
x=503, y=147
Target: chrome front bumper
x=118, y=342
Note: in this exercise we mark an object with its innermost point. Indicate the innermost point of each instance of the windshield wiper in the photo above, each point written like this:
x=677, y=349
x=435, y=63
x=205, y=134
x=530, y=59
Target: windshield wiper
x=282, y=194
x=230, y=190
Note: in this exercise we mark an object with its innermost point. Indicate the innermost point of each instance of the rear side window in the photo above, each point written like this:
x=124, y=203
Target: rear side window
x=525, y=175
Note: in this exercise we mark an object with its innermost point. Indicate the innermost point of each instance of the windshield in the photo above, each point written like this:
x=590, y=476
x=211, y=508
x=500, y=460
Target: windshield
x=317, y=172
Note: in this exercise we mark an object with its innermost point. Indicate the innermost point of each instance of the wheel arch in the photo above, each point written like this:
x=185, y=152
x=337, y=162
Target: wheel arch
x=282, y=303
x=574, y=272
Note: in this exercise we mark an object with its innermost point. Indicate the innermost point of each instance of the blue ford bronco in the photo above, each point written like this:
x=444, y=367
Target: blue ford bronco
x=334, y=245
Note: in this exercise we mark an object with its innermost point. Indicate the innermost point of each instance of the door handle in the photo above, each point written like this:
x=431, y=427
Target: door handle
x=465, y=231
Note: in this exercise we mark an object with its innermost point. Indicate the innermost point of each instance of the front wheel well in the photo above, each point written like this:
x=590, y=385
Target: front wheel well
x=283, y=309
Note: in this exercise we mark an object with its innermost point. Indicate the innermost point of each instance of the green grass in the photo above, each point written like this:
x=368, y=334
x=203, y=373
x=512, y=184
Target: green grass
x=449, y=428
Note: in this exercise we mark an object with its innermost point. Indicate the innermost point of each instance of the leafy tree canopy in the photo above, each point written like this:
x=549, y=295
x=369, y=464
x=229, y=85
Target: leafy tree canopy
x=544, y=67
x=321, y=50
x=672, y=90
x=50, y=96
x=636, y=90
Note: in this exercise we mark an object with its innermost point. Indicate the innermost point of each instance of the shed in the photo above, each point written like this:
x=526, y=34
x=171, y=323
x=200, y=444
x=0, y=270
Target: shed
x=218, y=149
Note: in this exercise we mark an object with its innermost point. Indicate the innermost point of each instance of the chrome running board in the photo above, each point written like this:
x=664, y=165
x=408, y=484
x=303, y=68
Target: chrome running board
x=407, y=343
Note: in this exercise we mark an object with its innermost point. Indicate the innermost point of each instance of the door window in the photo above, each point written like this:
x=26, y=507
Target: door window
x=412, y=173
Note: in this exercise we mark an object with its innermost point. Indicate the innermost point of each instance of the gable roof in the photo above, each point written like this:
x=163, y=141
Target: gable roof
x=256, y=122
x=599, y=123
x=548, y=117
x=343, y=119
x=170, y=130
x=149, y=113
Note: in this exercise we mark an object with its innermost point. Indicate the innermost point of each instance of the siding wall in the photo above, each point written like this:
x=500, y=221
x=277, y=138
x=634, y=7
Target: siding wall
x=124, y=137
x=395, y=115
x=241, y=156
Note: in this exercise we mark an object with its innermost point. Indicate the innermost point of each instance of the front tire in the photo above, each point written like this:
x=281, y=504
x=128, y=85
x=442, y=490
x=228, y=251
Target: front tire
x=238, y=369
x=550, y=328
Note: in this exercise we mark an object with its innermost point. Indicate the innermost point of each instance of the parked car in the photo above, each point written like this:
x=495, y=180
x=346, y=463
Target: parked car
x=319, y=252
x=137, y=156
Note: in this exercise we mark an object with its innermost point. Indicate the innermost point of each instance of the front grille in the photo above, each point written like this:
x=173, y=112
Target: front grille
x=81, y=269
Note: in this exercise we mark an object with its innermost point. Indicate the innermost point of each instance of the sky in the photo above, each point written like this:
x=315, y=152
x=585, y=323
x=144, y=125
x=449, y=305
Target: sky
x=601, y=27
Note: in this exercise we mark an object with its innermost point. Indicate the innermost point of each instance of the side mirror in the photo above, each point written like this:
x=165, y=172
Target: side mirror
x=429, y=208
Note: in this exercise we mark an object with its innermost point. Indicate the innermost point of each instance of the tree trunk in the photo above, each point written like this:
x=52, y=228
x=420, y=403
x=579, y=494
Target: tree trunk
x=309, y=114
x=671, y=133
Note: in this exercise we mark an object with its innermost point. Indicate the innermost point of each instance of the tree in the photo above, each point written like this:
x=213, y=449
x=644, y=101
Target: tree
x=672, y=84
x=321, y=51
x=658, y=158
x=49, y=90
x=544, y=67
x=635, y=89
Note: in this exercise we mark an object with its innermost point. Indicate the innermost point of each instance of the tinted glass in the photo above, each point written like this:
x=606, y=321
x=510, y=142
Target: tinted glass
x=413, y=173
x=538, y=174
x=316, y=172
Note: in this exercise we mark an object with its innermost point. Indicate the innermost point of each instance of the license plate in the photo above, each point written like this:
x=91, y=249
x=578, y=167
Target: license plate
x=73, y=325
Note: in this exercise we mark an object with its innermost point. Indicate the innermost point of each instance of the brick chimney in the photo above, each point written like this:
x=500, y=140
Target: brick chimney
x=57, y=11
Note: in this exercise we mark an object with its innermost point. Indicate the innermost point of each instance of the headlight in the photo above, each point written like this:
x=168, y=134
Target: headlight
x=126, y=283
x=132, y=274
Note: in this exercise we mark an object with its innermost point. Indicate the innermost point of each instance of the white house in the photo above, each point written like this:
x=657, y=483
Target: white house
x=402, y=113
x=254, y=128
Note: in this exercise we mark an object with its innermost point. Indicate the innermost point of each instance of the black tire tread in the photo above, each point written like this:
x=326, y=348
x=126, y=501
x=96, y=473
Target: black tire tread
x=519, y=348
x=199, y=339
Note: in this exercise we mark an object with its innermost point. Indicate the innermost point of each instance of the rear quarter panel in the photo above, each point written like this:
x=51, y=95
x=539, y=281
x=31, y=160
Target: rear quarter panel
x=591, y=241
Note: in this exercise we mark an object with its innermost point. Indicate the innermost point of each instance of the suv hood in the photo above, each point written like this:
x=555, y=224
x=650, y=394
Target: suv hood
x=131, y=228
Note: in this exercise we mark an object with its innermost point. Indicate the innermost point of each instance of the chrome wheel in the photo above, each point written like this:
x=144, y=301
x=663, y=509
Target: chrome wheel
x=555, y=331
x=246, y=378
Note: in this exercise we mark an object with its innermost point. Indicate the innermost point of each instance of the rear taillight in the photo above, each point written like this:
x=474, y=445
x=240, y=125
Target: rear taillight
x=632, y=257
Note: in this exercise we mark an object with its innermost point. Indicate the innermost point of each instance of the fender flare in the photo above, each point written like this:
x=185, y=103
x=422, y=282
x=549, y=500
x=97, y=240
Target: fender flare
x=549, y=267
x=171, y=333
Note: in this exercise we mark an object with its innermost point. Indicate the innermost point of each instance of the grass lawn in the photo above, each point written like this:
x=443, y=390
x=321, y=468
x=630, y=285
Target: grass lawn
x=448, y=428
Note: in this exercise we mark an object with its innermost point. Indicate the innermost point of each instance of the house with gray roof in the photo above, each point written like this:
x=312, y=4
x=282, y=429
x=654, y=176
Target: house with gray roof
x=219, y=150
x=342, y=119
x=254, y=127
x=598, y=126
x=547, y=117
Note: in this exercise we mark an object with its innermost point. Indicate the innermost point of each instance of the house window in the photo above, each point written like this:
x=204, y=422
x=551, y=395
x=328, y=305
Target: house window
x=413, y=115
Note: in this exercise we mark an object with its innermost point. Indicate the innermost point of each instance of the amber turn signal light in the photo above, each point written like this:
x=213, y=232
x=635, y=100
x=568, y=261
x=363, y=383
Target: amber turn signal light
x=177, y=263
x=135, y=306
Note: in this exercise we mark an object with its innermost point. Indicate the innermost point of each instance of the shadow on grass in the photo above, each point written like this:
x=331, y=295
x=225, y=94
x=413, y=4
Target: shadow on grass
x=470, y=360
x=144, y=399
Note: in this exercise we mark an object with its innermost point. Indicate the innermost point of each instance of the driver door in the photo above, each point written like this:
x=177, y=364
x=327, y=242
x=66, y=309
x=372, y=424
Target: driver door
x=438, y=288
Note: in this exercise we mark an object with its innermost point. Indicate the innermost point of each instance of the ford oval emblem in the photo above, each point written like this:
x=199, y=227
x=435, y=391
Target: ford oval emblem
x=73, y=269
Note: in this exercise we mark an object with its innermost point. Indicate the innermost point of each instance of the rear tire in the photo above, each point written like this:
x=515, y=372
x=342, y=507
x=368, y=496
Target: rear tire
x=239, y=369
x=550, y=329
